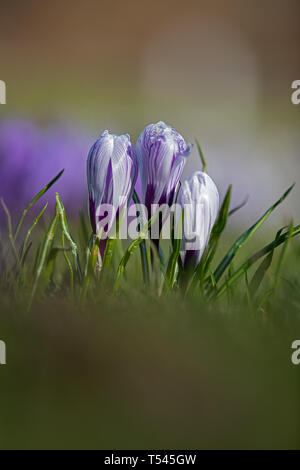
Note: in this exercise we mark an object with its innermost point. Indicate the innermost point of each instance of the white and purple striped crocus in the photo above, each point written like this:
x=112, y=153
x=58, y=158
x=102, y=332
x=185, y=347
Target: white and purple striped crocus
x=199, y=198
x=161, y=153
x=111, y=175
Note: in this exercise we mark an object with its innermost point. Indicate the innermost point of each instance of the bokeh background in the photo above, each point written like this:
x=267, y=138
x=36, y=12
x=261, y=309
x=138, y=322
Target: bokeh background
x=217, y=70
x=132, y=370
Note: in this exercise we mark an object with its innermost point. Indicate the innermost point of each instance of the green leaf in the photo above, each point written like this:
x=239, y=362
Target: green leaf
x=217, y=230
x=30, y=230
x=108, y=253
x=132, y=247
x=35, y=199
x=201, y=154
x=221, y=221
x=242, y=239
x=69, y=265
x=262, y=269
x=282, y=256
x=170, y=277
x=10, y=232
x=65, y=228
x=44, y=255
x=255, y=257
x=143, y=250
x=92, y=254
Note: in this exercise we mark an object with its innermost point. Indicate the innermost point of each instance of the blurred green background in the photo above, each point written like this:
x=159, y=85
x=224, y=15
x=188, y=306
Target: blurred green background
x=134, y=371
x=219, y=71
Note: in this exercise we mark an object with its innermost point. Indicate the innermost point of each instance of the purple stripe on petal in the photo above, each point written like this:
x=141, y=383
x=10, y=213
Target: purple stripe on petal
x=161, y=153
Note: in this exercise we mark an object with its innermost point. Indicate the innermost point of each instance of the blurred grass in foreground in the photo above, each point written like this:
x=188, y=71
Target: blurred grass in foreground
x=134, y=371
x=132, y=368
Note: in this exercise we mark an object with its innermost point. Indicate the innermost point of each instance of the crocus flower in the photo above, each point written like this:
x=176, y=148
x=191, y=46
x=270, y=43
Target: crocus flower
x=199, y=198
x=161, y=153
x=111, y=175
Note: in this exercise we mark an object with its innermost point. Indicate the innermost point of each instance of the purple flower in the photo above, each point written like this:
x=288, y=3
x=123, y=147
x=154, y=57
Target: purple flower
x=161, y=153
x=199, y=198
x=111, y=175
x=30, y=156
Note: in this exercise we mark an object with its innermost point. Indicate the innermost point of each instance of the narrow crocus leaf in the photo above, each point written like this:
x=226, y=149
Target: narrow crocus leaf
x=34, y=200
x=255, y=257
x=242, y=239
x=143, y=249
x=65, y=228
x=108, y=253
x=216, y=233
x=30, y=231
x=44, y=255
x=92, y=255
x=201, y=155
x=10, y=232
x=221, y=221
x=282, y=256
x=170, y=277
x=262, y=269
x=68, y=263
x=130, y=250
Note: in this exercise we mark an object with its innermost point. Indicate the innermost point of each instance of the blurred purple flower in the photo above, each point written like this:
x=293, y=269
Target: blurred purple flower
x=161, y=153
x=199, y=198
x=111, y=175
x=30, y=156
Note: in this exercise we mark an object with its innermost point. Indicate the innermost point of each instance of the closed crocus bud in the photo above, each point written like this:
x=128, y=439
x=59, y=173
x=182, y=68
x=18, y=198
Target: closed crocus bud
x=199, y=198
x=111, y=174
x=161, y=153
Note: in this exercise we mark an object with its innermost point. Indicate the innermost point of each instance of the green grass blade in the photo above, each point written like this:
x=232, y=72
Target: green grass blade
x=92, y=254
x=242, y=239
x=170, y=277
x=34, y=200
x=68, y=263
x=221, y=221
x=201, y=154
x=143, y=250
x=108, y=253
x=132, y=247
x=262, y=269
x=65, y=228
x=255, y=257
x=216, y=233
x=282, y=256
x=248, y=295
x=9, y=230
x=30, y=231
x=44, y=255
